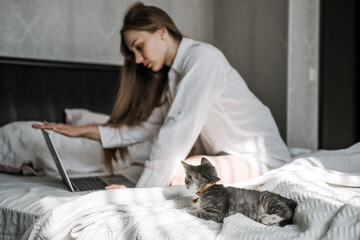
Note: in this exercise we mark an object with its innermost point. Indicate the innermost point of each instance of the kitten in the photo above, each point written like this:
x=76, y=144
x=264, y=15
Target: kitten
x=216, y=202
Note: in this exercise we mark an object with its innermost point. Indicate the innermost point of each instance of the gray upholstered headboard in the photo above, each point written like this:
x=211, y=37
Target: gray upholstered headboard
x=40, y=90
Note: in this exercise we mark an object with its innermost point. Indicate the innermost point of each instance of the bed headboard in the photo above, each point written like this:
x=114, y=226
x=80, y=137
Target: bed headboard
x=41, y=90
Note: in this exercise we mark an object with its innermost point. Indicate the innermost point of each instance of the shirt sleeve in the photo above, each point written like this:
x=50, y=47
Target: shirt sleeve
x=112, y=137
x=202, y=81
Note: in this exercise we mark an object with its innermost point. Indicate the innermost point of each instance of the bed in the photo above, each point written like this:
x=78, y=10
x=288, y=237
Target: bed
x=35, y=204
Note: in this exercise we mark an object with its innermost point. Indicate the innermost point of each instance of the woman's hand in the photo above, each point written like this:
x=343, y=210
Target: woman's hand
x=91, y=132
x=115, y=186
x=68, y=130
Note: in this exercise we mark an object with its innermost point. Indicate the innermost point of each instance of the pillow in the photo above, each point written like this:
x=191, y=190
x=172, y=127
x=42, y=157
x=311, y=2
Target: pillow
x=82, y=117
x=23, y=150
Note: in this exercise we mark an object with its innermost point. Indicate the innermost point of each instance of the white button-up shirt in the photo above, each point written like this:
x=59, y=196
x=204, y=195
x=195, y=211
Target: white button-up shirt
x=209, y=101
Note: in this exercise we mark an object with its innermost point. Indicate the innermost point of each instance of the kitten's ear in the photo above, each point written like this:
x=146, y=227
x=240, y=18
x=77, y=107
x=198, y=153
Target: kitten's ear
x=205, y=161
x=185, y=164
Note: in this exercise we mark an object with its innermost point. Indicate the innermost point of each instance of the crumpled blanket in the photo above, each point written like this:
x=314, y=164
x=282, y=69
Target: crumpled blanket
x=325, y=185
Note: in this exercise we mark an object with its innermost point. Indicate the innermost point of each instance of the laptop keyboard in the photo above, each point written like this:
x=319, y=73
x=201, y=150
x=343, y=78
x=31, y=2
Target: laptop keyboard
x=88, y=183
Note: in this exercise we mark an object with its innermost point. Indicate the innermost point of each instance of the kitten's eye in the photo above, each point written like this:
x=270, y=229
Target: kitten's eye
x=192, y=178
x=189, y=178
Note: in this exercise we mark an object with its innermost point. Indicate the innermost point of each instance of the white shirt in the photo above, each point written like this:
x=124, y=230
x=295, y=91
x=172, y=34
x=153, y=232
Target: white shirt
x=210, y=100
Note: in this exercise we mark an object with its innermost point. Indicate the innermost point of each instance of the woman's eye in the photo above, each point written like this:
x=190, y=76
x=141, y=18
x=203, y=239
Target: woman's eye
x=139, y=48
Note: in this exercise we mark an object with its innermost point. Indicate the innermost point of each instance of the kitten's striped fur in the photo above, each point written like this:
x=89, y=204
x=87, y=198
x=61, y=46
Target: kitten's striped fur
x=218, y=202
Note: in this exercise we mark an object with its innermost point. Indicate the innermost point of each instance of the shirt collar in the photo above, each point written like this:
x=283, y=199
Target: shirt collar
x=181, y=53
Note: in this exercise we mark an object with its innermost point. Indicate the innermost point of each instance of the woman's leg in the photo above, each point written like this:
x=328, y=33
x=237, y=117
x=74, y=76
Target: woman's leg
x=229, y=169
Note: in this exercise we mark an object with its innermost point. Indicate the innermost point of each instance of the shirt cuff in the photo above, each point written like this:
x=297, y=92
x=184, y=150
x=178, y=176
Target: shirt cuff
x=110, y=137
x=149, y=178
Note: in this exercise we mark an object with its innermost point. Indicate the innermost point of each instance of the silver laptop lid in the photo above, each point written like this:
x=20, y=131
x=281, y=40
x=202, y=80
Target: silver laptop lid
x=57, y=160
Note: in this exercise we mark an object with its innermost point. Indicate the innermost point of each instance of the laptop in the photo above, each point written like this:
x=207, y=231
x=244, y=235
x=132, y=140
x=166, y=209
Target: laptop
x=90, y=183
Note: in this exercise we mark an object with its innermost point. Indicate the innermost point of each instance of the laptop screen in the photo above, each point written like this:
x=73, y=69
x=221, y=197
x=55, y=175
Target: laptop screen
x=57, y=160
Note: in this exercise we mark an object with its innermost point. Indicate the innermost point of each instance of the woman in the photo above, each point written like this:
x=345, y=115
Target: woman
x=182, y=93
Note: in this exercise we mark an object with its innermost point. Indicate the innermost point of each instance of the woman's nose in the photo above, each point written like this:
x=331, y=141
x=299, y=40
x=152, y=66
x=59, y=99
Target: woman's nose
x=138, y=58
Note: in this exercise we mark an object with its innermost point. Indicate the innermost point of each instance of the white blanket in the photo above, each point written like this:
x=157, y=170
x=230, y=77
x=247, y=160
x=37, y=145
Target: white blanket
x=325, y=210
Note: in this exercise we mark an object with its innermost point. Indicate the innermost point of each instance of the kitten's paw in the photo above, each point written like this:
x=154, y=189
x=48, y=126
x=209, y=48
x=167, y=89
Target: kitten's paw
x=269, y=220
x=193, y=212
x=262, y=217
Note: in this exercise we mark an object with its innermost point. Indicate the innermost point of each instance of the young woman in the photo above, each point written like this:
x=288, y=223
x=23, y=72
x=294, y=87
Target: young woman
x=182, y=95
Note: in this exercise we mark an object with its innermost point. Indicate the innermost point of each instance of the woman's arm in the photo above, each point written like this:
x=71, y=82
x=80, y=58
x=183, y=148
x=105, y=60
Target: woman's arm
x=91, y=132
x=112, y=137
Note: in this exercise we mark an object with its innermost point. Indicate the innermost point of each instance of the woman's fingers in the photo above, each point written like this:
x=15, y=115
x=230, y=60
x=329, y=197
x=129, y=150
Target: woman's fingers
x=115, y=186
x=47, y=123
x=41, y=126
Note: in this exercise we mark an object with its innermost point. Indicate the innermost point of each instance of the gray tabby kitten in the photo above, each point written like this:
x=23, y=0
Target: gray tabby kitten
x=216, y=202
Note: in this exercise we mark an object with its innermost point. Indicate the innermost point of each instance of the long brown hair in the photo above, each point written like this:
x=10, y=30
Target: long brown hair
x=140, y=89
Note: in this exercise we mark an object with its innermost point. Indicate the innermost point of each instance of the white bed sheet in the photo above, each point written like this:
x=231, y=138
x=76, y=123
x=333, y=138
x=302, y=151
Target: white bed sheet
x=325, y=185
x=25, y=198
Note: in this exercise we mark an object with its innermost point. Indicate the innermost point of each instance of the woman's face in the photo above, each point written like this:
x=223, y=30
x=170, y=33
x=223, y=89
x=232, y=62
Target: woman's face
x=150, y=49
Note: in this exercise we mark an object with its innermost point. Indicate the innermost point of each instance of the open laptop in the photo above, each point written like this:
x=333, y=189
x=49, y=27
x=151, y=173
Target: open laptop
x=90, y=183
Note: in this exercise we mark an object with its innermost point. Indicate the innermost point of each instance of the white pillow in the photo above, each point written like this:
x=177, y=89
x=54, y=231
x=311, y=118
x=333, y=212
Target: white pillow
x=82, y=117
x=23, y=150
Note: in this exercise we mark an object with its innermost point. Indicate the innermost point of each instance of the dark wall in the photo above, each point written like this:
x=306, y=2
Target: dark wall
x=253, y=36
x=339, y=101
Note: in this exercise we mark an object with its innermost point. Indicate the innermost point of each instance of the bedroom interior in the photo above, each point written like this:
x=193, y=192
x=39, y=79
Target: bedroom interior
x=296, y=56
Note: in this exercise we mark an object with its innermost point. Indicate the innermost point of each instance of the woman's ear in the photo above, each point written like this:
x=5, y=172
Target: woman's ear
x=163, y=32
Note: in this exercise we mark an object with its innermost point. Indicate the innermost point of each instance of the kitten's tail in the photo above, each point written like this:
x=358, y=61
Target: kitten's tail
x=292, y=205
x=286, y=222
